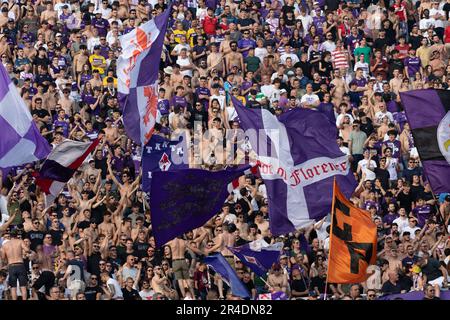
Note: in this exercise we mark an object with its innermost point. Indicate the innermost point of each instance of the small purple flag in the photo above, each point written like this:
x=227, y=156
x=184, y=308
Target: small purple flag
x=222, y=267
x=258, y=255
x=161, y=154
x=186, y=199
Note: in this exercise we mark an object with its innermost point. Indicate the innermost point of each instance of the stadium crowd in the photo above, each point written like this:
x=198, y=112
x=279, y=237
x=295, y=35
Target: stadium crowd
x=348, y=59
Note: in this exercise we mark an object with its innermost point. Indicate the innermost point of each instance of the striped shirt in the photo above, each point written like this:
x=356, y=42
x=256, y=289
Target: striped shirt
x=339, y=58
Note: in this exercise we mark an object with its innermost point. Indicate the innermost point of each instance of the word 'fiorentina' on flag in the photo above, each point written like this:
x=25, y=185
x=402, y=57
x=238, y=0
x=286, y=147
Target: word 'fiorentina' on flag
x=20, y=141
x=161, y=154
x=428, y=115
x=61, y=164
x=258, y=255
x=137, y=73
x=220, y=265
x=183, y=200
x=353, y=241
x=299, y=170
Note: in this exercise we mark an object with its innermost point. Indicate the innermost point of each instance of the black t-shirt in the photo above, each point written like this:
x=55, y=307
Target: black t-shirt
x=56, y=236
x=249, y=285
x=389, y=288
x=298, y=285
x=431, y=269
x=415, y=41
x=383, y=175
x=130, y=295
x=395, y=64
x=332, y=5
x=380, y=43
x=92, y=263
x=319, y=283
x=37, y=61
x=446, y=8
x=36, y=238
x=405, y=201
x=91, y=292
x=141, y=249
x=246, y=22
x=41, y=113
x=416, y=191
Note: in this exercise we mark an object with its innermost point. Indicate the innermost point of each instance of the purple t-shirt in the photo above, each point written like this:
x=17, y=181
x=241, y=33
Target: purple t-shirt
x=389, y=218
x=395, y=146
x=413, y=64
x=176, y=100
x=243, y=43
x=422, y=213
x=202, y=91
x=164, y=106
x=101, y=25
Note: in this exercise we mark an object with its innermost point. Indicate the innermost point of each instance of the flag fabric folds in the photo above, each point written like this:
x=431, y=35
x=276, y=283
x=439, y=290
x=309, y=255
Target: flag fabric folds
x=428, y=115
x=222, y=267
x=61, y=164
x=137, y=73
x=20, y=140
x=186, y=199
x=161, y=154
x=298, y=158
x=353, y=241
x=258, y=255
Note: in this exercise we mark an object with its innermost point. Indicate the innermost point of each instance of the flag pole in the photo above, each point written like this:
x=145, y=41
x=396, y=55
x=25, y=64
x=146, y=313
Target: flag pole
x=331, y=234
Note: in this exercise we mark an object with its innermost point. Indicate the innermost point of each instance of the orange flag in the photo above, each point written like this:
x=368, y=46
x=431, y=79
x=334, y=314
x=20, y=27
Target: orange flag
x=353, y=241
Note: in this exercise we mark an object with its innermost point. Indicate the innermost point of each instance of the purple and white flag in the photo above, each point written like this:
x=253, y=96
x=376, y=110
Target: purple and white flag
x=298, y=158
x=20, y=140
x=137, y=73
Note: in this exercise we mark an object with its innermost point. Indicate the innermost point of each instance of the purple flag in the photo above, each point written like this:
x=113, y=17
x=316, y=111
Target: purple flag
x=161, y=154
x=222, y=267
x=428, y=115
x=21, y=141
x=186, y=199
x=137, y=71
x=298, y=165
x=414, y=295
x=258, y=255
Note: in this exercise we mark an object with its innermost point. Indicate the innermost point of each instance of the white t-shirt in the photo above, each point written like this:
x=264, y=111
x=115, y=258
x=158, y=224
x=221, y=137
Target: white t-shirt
x=322, y=233
x=146, y=295
x=183, y=63
x=221, y=100
x=289, y=55
x=309, y=98
x=345, y=150
x=307, y=20
x=402, y=223
x=411, y=231
x=437, y=23
x=340, y=117
x=117, y=289
x=379, y=115
x=260, y=53
x=364, y=164
x=364, y=66
x=392, y=168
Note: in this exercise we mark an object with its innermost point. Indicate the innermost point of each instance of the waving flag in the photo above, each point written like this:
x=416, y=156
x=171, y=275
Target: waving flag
x=61, y=164
x=222, y=267
x=258, y=255
x=298, y=158
x=137, y=72
x=20, y=140
x=186, y=199
x=428, y=115
x=161, y=154
x=353, y=241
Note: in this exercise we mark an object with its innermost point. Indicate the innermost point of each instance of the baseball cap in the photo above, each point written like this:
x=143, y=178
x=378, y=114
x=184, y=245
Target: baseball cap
x=58, y=35
x=283, y=91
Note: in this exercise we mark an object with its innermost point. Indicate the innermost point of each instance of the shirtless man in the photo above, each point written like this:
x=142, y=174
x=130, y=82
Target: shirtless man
x=215, y=59
x=176, y=79
x=107, y=227
x=12, y=252
x=111, y=133
x=80, y=59
x=126, y=188
x=340, y=87
x=49, y=15
x=180, y=266
x=263, y=225
x=235, y=58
